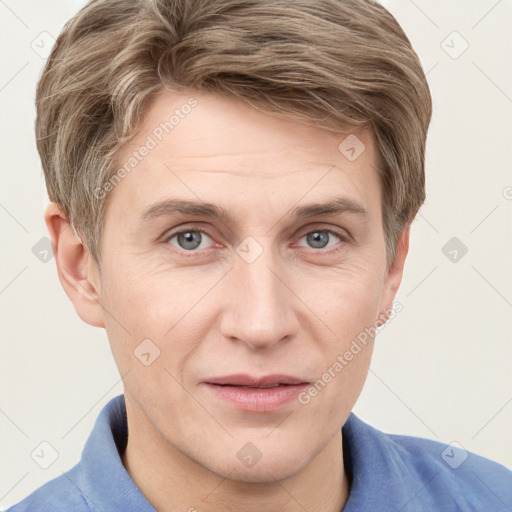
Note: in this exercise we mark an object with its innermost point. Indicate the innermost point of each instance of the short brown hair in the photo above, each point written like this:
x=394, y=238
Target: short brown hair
x=327, y=62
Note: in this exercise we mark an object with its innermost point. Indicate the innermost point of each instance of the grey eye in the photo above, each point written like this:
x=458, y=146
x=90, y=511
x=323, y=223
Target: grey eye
x=188, y=240
x=318, y=239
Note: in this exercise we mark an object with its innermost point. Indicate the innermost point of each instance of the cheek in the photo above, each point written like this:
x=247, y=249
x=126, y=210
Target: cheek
x=158, y=306
x=348, y=303
x=345, y=298
x=151, y=296
x=349, y=308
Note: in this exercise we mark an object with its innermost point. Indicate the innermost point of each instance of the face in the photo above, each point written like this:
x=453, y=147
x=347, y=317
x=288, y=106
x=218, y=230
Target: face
x=260, y=283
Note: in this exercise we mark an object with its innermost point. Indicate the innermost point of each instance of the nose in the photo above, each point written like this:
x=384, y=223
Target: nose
x=259, y=306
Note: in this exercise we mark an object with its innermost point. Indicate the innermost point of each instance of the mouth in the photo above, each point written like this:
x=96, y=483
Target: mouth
x=256, y=394
x=257, y=387
x=250, y=381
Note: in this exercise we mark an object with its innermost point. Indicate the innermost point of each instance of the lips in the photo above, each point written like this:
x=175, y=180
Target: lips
x=264, y=394
x=265, y=381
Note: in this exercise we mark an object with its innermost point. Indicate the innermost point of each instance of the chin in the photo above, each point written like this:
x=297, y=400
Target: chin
x=266, y=469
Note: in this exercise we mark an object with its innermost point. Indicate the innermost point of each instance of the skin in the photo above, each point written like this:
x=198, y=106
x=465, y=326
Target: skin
x=211, y=313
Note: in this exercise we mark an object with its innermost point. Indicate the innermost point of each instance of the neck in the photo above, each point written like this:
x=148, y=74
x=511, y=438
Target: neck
x=170, y=480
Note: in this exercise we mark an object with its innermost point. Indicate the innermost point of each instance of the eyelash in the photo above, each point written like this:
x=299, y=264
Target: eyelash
x=343, y=238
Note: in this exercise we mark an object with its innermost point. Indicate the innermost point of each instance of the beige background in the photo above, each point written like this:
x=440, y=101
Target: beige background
x=442, y=367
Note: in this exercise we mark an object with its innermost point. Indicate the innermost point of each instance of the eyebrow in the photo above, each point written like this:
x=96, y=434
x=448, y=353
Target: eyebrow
x=335, y=206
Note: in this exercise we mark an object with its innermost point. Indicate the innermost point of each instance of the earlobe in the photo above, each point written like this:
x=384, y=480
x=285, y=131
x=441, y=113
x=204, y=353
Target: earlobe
x=73, y=267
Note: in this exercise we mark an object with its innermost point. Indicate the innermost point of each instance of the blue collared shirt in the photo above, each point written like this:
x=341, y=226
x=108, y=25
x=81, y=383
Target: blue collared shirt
x=388, y=473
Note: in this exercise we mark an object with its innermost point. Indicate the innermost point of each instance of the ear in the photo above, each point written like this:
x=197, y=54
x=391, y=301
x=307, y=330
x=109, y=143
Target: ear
x=78, y=272
x=394, y=272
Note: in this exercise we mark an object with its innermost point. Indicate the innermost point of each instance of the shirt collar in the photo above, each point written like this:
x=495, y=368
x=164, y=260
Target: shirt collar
x=369, y=460
x=381, y=479
x=104, y=481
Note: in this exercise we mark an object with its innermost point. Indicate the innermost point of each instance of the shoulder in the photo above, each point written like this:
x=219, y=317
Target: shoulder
x=436, y=475
x=451, y=474
x=452, y=461
x=58, y=495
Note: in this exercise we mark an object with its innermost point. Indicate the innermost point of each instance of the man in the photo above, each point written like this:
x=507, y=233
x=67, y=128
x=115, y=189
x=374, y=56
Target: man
x=233, y=185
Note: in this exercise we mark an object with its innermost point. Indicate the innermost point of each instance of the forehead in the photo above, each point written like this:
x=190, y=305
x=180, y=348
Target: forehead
x=202, y=124
x=218, y=148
